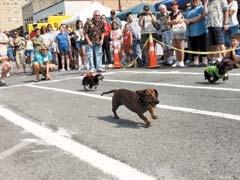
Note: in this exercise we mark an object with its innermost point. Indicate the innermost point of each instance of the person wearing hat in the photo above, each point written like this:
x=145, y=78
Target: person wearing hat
x=34, y=32
x=42, y=63
x=113, y=17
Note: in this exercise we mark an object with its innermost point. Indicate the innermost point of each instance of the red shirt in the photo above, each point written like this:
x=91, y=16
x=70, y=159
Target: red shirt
x=107, y=28
x=127, y=38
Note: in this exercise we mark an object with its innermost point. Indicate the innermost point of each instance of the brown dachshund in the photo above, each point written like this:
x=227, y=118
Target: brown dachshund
x=139, y=102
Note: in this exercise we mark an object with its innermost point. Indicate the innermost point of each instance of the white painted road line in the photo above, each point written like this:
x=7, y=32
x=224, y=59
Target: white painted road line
x=13, y=150
x=174, y=85
x=174, y=108
x=98, y=160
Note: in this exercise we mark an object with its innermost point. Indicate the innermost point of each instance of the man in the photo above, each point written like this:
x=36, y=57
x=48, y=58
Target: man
x=19, y=45
x=166, y=34
x=136, y=35
x=217, y=23
x=113, y=17
x=94, y=36
x=34, y=32
x=4, y=59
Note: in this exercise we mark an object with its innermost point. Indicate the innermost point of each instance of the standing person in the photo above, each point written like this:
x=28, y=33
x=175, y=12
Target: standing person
x=10, y=51
x=166, y=34
x=113, y=17
x=197, y=31
x=4, y=59
x=45, y=36
x=176, y=17
x=107, y=58
x=64, y=47
x=80, y=45
x=19, y=45
x=37, y=40
x=53, y=47
x=29, y=49
x=136, y=36
x=94, y=35
x=217, y=24
x=116, y=37
x=127, y=43
x=34, y=31
x=233, y=23
x=147, y=22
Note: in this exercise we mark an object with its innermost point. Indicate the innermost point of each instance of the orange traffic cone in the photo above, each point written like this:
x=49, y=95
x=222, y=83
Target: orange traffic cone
x=152, y=54
x=116, y=58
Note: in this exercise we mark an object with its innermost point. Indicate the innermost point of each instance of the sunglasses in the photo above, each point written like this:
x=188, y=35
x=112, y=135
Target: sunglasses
x=44, y=49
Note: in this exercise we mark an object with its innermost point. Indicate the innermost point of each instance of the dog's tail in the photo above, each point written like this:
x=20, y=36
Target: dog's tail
x=108, y=92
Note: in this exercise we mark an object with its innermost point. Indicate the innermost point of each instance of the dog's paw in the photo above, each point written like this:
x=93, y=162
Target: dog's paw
x=116, y=117
x=154, y=117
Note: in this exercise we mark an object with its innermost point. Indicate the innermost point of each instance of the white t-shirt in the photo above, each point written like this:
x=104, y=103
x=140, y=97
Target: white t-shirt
x=232, y=20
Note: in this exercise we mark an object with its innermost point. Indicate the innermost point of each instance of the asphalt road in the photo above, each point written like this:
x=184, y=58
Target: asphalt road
x=54, y=130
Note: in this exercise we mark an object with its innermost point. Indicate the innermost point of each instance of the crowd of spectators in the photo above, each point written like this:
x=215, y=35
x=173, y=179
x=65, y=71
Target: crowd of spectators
x=211, y=28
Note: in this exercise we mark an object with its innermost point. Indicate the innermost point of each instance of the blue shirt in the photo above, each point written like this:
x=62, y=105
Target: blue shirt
x=197, y=28
x=62, y=39
x=41, y=58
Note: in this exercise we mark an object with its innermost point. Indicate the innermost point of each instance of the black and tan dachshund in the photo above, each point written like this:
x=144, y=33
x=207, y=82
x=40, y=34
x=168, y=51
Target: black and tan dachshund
x=218, y=71
x=91, y=80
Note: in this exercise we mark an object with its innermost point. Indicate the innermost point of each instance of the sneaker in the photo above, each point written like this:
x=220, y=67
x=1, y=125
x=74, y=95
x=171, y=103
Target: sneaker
x=8, y=74
x=176, y=64
x=181, y=64
x=92, y=70
x=101, y=70
x=62, y=70
x=3, y=83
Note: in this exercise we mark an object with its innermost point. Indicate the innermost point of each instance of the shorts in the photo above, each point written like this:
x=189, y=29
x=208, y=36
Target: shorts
x=167, y=39
x=29, y=53
x=216, y=36
x=79, y=44
x=63, y=51
x=178, y=36
x=145, y=37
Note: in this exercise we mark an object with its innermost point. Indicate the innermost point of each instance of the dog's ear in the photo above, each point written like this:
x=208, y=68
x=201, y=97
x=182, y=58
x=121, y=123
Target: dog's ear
x=156, y=92
x=140, y=92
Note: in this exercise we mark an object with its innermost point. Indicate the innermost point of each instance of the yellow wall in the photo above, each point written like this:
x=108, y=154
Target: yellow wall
x=51, y=20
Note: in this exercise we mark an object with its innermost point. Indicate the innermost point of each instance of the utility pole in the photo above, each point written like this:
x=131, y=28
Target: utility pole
x=119, y=5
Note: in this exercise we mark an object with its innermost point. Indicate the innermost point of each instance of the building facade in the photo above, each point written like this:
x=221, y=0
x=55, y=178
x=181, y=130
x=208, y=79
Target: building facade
x=11, y=14
x=16, y=13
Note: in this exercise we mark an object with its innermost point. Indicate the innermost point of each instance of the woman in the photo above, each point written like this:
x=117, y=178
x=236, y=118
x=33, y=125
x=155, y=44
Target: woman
x=79, y=38
x=146, y=21
x=42, y=63
x=176, y=17
x=197, y=31
x=107, y=59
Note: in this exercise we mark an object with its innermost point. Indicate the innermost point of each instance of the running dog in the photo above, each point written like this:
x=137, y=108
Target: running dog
x=139, y=102
x=91, y=80
x=219, y=71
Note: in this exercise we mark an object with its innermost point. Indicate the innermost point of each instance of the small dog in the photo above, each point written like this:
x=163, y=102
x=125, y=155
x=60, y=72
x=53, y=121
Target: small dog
x=91, y=80
x=139, y=102
x=219, y=71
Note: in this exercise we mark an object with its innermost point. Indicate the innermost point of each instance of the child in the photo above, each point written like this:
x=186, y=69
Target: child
x=127, y=41
x=234, y=55
x=29, y=52
x=116, y=36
